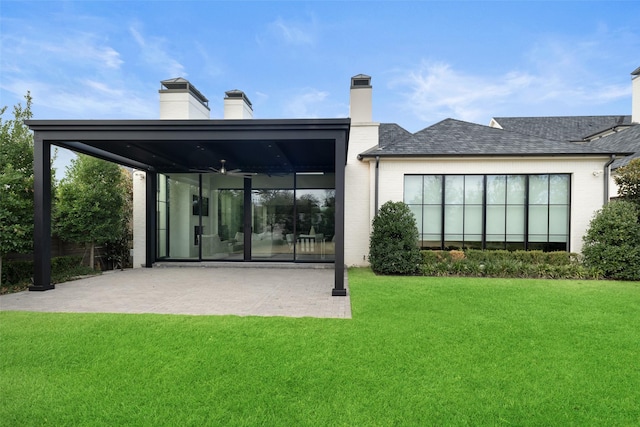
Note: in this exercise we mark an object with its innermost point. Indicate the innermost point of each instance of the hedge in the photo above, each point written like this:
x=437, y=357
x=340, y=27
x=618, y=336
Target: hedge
x=20, y=273
x=501, y=263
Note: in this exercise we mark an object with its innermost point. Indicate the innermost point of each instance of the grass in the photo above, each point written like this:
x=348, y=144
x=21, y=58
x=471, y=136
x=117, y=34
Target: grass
x=418, y=351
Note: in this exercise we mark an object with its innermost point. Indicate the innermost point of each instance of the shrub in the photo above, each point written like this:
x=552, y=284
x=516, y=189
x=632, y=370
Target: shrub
x=612, y=242
x=17, y=275
x=393, y=247
x=502, y=263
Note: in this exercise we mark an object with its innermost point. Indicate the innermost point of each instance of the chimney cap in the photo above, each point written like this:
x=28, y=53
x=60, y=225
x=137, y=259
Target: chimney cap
x=235, y=93
x=180, y=84
x=636, y=72
x=361, y=81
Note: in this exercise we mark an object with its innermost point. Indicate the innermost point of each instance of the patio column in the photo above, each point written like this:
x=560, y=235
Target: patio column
x=42, y=214
x=340, y=162
x=151, y=213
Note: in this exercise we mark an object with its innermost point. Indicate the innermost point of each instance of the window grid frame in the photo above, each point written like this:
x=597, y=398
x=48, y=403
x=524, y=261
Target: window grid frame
x=525, y=204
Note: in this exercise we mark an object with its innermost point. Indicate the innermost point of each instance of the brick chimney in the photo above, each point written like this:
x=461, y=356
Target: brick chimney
x=180, y=100
x=360, y=106
x=237, y=106
x=635, y=96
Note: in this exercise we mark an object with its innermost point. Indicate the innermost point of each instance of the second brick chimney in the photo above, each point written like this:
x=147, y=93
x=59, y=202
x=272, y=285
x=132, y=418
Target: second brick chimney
x=237, y=106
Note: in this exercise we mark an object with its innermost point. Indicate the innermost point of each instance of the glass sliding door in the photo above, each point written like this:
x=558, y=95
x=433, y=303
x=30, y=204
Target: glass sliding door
x=178, y=227
x=315, y=217
x=272, y=218
x=205, y=217
x=223, y=218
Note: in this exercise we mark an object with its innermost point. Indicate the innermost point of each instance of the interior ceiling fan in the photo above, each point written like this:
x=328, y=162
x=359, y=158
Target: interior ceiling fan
x=224, y=171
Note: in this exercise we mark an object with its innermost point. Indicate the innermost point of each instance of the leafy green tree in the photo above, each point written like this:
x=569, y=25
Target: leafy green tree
x=628, y=180
x=92, y=204
x=16, y=182
x=393, y=247
x=612, y=242
x=118, y=250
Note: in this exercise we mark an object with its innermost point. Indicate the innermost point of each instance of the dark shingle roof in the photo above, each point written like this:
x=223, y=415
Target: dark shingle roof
x=389, y=133
x=455, y=137
x=562, y=128
x=626, y=140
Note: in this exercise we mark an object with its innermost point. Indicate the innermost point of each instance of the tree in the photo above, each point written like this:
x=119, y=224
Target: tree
x=118, y=249
x=92, y=203
x=16, y=182
x=393, y=247
x=612, y=242
x=628, y=180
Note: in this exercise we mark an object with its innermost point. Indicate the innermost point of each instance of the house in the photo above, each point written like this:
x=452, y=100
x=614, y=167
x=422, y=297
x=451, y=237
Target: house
x=306, y=190
x=519, y=183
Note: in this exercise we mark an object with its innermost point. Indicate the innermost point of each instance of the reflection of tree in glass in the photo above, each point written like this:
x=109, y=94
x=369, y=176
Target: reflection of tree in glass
x=496, y=189
x=327, y=223
x=230, y=208
x=308, y=210
x=538, y=189
x=279, y=209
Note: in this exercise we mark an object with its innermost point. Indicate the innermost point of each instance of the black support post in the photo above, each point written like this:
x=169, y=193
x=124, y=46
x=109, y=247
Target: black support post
x=151, y=183
x=42, y=215
x=246, y=226
x=340, y=162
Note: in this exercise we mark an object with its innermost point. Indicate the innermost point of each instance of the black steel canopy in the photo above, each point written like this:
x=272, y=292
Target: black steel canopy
x=260, y=146
x=163, y=146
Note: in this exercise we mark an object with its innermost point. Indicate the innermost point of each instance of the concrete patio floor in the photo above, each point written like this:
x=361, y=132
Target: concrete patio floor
x=297, y=290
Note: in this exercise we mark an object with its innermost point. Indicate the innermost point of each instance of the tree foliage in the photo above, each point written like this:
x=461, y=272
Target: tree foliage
x=393, y=247
x=16, y=181
x=92, y=203
x=628, y=180
x=612, y=242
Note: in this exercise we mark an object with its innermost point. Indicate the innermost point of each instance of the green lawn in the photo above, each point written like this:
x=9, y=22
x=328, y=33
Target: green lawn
x=418, y=351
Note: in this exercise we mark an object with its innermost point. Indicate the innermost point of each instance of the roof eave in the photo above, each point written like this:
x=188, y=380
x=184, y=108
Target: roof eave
x=390, y=155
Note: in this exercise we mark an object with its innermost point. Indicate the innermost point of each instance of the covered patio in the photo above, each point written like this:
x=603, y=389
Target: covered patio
x=287, y=290
x=260, y=150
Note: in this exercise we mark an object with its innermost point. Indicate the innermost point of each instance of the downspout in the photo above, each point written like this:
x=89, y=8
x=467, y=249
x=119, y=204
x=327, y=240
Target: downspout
x=606, y=178
x=376, y=185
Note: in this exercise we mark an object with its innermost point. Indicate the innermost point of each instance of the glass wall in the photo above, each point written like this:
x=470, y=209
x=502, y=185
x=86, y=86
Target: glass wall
x=272, y=204
x=178, y=236
x=222, y=217
x=204, y=217
x=505, y=226
x=490, y=211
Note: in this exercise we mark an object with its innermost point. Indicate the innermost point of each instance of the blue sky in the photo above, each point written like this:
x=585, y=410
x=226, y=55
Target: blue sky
x=428, y=60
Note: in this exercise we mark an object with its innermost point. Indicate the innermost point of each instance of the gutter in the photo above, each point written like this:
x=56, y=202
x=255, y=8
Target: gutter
x=376, y=185
x=607, y=173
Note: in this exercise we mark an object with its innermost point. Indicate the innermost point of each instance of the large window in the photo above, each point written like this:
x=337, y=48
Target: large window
x=287, y=217
x=490, y=211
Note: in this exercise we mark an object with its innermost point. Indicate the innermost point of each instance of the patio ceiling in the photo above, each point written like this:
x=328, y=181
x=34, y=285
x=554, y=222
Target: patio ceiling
x=260, y=146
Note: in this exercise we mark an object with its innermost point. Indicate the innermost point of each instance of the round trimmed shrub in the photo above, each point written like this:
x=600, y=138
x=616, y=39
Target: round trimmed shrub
x=612, y=243
x=393, y=247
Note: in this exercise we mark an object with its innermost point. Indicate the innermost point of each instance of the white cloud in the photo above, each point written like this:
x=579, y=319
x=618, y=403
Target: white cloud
x=153, y=52
x=75, y=47
x=556, y=75
x=84, y=99
x=435, y=91
x=306, y=103
x=210, y=66
x=300, y=33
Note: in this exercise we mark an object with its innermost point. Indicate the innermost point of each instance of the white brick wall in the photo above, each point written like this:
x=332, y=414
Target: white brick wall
x=587, y=189
x=358, y=199
x=181, y=106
